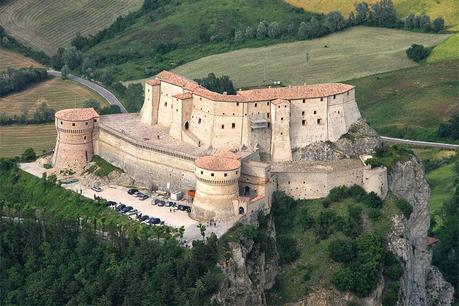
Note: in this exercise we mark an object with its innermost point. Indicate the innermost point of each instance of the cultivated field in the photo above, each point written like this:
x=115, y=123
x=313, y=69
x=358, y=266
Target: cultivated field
x=16, y=138
x=50, y=24
x=57, y=93
x=15, y=60
x=410, y=103
x=353, y=53
x=448, y=9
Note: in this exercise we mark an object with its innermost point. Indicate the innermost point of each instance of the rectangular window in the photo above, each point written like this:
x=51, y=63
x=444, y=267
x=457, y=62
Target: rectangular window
x=267, y=115
x=321, y=99
x=315, y=112
x=319, y=121
x=165, y=104
x=302, y=113
x=212, y=174
x=233, y=125
x=226, y=174
x=255, y=104
x=223, y=126
x=303, y=122
x=282, y=118
x=334, y=96
x=304, y=101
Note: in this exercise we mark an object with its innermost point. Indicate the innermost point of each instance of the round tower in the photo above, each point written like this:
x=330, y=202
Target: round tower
x=75, y=132
x=217, y=189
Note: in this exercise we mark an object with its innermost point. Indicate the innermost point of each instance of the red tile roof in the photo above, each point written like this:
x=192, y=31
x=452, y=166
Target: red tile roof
x=184, y=96
x=223, y=161
x=77, y=114
x=253, y=95
x=153, y=82
x=279, y=101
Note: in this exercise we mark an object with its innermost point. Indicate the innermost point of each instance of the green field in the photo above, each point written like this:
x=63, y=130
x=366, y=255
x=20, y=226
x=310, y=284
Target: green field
x=447, y=50
x=353, y=53
x=15, y=139
x=448, y=9
x=48, y=25
x=410, y=103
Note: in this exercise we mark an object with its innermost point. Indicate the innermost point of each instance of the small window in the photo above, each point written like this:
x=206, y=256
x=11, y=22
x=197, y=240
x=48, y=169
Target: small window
x=226, y=174
x=302, y=113
x=255, y=104
x=84, y=137
x=86, y=123
x=202, y=172
x=334, y=96
x=212, y=174
x=199, y=121
x=223, y=126
x=282, y=118
x=236, y=172
x=348, y=93
x=62, y=122
x=73, y=124
x=165, y=104
x=304, y=101
x=237, y=104
x=233, y=125
x=267, y=103
x=200, y=99
x=285, y=106
x=303, y=122
x=95, y=120
x=278, y=106
x=267, y=115
x=338, y=112
x=321, y=99
x=319, y=121
x=282, y=133
x=223, y=114
x=289, y=182
x=148, y=89
x=315, y=112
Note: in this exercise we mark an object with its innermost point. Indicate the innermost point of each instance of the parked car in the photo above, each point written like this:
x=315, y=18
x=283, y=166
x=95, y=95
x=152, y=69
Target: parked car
x=132, y=212
x=155, y=202
x=138, y=194
x=161, y=203
x=143, y=218
x=120, y=207
x=154, y=220
x=169, y=204
x=96, y=189
x=143, y=197
x=188, y=209
x=126, y=209
x=132, y=191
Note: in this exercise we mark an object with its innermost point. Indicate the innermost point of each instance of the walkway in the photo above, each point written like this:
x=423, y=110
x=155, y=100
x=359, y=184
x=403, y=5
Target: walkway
x=420, y=143
x=107, y=95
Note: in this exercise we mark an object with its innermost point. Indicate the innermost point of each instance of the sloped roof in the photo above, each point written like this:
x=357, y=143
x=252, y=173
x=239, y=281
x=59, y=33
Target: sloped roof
x=77, y=114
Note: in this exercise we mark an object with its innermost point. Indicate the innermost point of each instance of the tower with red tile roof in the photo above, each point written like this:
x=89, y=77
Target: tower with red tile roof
x=76, y=129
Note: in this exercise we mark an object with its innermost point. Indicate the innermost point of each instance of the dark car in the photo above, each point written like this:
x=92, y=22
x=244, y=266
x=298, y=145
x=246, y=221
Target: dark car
x=161, y=203
x=132, y=191
x=111, y=203
x=143, y=197
x=181, y=207
x=126, y=209
x=170, y=204
x=156, y=202
x=154, y=220
x=144, y=217
x=120, y=207
x=186, y=208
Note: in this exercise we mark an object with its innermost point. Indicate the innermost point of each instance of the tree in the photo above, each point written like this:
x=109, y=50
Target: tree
x=315, y=27
x=334, y=21
x=341, y=250
x=57, y=61
x=72, y=57
x=239, y=37
x=384, y=14
x=202, y=230
x=438, y=24
x=290, y=28
x=451, y=128
x=134, y=97
x=417, y=53
x=93, y=104
x=262, y=30
x=351, y=20
x=362, y=13
x=218, y=84
x=28, y=155
x=65, y=71
x=410, y=22
x=274, y=30
x=373, y=200
x=249, y=32
x=303, y=30
x=43, y=113
x=424, y=23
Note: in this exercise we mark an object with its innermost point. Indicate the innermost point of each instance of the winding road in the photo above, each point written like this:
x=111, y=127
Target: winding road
x=420, y=143
x=107, y=95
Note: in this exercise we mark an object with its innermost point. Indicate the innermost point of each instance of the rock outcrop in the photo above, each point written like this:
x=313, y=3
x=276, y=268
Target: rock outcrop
x=249, y=271
x=421, y=283
x=360, y=140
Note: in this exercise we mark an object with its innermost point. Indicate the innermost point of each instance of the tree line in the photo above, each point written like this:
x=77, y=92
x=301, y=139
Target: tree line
x=43, y=114
x=450, y=129
x=14, y=80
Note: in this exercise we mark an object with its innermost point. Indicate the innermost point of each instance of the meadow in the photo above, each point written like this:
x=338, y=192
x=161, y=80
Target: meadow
x=353, y=53
x=448, y=9
x=14, y=139
x=410, y=103
x=15, y=60
x=48, y=25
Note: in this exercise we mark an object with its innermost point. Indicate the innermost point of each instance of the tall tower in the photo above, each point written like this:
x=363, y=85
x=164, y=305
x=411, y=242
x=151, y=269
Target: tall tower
x=75, y=132
x=217, y=189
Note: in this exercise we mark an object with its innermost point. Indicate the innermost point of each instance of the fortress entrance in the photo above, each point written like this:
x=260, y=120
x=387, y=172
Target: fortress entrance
x=187, y=125
x=241, y=210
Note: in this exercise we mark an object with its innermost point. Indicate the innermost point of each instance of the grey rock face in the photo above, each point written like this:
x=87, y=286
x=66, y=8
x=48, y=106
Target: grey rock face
x=360, y=140
x=421, y=284
x=249, y=271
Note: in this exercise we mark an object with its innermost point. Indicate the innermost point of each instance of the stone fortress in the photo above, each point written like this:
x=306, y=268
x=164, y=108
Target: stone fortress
x=234, y=150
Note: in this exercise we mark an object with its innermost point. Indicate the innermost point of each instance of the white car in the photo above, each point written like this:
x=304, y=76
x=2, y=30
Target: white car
x=96, y=189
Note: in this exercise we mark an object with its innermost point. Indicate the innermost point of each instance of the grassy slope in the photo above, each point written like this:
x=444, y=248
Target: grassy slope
x=314, y=268
x=12, y=59
x=57, y=93
x=447, y=50
x=410, y=102
x=181, y=25
x=350, y=54
x=47, y=25
x=448, y=9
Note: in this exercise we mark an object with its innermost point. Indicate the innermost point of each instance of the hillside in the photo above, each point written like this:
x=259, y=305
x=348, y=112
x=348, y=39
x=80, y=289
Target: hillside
x=353, y=53
x=48, y=25
x=14, y=139
x=12, y=59
x=410, y=103
x=448, y=9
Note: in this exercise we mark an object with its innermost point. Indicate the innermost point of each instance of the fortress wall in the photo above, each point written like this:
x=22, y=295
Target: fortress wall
x=347, y=177
x=336, y=117
x=144, y=165
x=376, y=180
x=262, y=138
x=311, y=110
x=202, y=119
x=227, y=132
x=259, y=108
x=177, y=123
x=300, y=185
x=166, y=104
x=280, y=143
x=351, y=109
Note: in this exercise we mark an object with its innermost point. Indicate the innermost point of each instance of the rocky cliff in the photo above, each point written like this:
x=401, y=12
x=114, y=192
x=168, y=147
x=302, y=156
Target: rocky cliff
x=250, y=269
x=421, y=283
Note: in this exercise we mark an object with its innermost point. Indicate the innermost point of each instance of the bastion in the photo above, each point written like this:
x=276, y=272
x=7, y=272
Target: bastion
x=234, y=150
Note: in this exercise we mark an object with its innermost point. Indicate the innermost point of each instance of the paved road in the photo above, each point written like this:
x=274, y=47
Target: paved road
x=111, y=99
x=420, y=143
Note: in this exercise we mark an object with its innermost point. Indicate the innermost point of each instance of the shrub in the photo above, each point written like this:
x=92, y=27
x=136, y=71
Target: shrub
x=404, y=207
x=325, y=224
x=417, y=53
x=288, y=250
x=373, y=200
x=374, y=214
x=390, y=297
x=341, y=250
x=338, y=194
x=303, y=218
x=28, y=155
